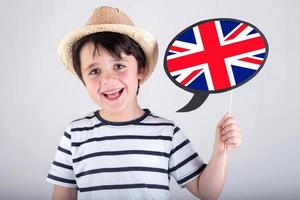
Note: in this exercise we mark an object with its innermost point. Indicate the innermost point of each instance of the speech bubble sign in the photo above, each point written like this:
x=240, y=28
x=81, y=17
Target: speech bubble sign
x=214, y=56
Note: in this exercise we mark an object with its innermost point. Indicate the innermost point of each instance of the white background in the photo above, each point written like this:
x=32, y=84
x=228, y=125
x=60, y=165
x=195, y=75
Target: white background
x=39, y=98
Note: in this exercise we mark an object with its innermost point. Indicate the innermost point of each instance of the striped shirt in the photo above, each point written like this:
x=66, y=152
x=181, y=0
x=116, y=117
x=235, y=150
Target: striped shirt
x=124, y=160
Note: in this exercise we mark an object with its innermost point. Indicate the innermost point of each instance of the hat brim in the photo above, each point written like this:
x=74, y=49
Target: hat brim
x=146, y=41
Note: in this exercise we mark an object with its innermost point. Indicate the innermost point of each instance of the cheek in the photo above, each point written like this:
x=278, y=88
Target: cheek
x=92, y=88
x=129, y=78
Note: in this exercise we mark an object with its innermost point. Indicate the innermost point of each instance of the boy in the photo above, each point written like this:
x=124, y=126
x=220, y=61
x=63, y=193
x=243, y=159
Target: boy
x=123, y=151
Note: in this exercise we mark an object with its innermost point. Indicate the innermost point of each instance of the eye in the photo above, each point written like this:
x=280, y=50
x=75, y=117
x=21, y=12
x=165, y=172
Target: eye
x=119, y=66
x=94, y=71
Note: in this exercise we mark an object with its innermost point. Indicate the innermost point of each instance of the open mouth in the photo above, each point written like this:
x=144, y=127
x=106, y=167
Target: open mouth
x=113, y=94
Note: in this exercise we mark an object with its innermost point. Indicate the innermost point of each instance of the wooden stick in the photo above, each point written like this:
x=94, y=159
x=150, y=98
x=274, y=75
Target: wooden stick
x=225, y=148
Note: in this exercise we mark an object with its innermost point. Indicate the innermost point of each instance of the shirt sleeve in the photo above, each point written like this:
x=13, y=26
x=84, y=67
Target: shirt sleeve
x=61, y=170
x=185, y=164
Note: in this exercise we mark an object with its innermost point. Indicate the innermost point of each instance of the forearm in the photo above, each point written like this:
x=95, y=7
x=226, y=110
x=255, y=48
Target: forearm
x=64, y=193
x=212, y=179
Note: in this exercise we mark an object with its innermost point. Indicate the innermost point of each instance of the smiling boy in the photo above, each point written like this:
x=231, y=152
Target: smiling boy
x=123, y=151
x=111, y=80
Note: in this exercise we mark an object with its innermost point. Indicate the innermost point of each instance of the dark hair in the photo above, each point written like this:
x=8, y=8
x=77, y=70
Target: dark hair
x=114, y=43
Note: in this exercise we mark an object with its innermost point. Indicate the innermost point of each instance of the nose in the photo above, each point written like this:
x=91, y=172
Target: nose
x=107, y=77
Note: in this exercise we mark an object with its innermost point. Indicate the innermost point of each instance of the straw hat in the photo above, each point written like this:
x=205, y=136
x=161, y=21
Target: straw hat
x=113, y=20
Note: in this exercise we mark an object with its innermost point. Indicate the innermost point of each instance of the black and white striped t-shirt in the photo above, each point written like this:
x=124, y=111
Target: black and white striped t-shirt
x=124, y=160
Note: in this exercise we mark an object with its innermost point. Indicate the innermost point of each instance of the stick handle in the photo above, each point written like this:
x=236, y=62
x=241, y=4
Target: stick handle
x=229, y=113
x=225, y=147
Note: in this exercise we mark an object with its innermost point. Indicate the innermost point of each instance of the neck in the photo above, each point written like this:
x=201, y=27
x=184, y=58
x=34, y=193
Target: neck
x=121, y=116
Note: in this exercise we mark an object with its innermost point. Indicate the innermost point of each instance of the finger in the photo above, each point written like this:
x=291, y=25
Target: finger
x=227, y=121
x=232, y=146
x=222, y=120
x=229, y=128
x=230, y=136
x=234, y=141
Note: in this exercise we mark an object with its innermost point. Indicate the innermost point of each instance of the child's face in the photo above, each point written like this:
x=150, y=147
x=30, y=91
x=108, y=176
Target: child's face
x=111, y=82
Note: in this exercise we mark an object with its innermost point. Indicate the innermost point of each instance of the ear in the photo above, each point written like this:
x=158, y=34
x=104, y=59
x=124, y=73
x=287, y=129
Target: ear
x=141, y=73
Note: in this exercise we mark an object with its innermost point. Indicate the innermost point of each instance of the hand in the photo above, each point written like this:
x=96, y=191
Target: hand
x=227, y=132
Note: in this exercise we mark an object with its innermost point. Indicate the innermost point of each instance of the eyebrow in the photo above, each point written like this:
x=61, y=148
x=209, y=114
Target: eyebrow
x=116, y=58
x=121, y=59
x=89, y=66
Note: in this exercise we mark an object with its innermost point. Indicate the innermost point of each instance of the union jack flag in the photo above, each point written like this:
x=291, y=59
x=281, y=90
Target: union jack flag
x=216, y=55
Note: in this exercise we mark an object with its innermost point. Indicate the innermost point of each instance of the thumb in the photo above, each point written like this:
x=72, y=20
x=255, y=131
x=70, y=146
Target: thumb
x=219, y=145
x=219, y=125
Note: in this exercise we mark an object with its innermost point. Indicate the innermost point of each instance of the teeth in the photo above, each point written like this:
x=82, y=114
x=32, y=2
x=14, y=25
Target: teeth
x=112, y=91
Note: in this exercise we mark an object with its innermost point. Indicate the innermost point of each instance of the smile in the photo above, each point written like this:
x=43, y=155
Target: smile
x=113, y=94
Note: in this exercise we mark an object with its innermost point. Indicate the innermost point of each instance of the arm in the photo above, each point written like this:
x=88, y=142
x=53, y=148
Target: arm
x=64, y=193
x=210, y=183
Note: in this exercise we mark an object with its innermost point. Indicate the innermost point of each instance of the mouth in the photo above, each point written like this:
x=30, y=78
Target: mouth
x=113, y=94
